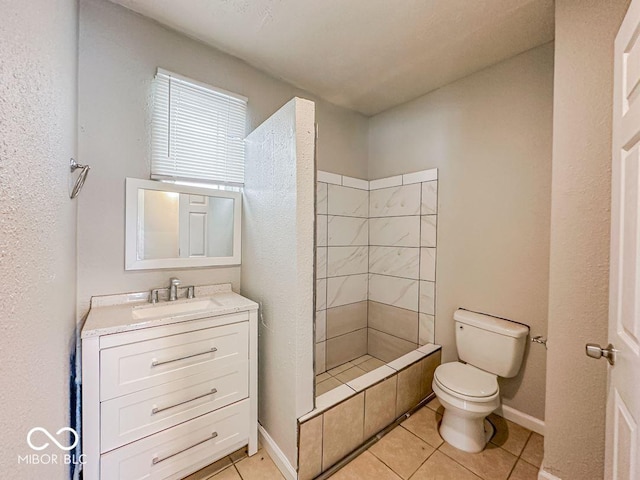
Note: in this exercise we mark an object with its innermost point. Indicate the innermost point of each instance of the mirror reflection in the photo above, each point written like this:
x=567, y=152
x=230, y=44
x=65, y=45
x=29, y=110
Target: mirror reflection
x=183, y=225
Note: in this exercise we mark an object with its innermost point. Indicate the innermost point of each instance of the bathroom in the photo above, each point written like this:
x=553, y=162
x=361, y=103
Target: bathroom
x=519, y=227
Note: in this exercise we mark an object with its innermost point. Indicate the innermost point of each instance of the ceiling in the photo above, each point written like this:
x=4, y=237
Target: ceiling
x=366, y=55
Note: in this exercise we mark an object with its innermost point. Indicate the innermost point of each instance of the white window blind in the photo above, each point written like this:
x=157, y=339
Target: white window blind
x=197, y=132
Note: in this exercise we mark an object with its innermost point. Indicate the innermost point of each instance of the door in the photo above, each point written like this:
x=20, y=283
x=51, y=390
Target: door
x=193, y=225
x=623, y=398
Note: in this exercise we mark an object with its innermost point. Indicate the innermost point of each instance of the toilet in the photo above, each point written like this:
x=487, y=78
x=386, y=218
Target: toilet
x=488, y=348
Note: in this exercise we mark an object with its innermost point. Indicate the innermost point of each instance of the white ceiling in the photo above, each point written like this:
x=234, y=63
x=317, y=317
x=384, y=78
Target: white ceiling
x=366, y=55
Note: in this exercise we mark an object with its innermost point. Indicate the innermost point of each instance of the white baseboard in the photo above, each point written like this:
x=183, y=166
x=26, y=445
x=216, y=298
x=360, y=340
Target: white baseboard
x=279, y=458
x=524, y=420
x=544, y=475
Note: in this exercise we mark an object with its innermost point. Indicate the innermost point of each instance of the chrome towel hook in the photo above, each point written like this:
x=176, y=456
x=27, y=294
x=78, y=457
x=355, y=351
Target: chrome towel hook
x=84, y=171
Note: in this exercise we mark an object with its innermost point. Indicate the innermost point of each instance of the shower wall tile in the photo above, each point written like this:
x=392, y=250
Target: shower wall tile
x=418, y=177
x=321, y=230
x=321, y=326
x=346, y=319
x=427, y=297
x=395, y=261
x=385, y=182
x=428, y=230
x=346, y=347
x=430, y=198
x=326, y=177
x=428, y=264
x=347, y=201
x=321, y=294
x=345, y=290
x=387, y=347
x=347, y=231
x=355, y=183
x=399, y=292
x=347, y=261
x=321, y=353
x=321, y=262
x=321, y=198
x=395, y=201
x=426, y=332
x=394, y=321
x=395, y=231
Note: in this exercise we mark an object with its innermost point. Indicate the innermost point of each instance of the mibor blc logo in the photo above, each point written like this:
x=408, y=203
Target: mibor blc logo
x=40, y=439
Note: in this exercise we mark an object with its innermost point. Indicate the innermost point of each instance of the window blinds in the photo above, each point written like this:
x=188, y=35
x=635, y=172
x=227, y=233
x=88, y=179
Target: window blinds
x=197, y=132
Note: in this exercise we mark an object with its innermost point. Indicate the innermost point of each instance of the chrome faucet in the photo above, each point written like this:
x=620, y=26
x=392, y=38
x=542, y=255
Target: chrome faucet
x=173, y=289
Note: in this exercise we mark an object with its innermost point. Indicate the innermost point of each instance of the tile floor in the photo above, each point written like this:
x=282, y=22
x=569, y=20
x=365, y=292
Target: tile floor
x=345, y=373
x=412, y=450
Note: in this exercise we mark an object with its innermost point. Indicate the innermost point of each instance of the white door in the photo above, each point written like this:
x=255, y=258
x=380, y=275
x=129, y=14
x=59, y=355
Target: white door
x=623, y=399
x=194, y=210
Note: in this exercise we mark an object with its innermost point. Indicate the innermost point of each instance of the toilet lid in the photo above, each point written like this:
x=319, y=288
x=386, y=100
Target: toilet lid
x=466, y=379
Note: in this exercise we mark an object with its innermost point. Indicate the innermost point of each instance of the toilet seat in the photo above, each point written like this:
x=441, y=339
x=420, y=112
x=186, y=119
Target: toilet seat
x=466, y=382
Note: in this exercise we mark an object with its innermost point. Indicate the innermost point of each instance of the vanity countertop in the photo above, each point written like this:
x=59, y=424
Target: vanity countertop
x=132, y=311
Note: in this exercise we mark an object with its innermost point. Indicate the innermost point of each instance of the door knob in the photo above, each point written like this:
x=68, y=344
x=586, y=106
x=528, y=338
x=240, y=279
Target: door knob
x=594, y=350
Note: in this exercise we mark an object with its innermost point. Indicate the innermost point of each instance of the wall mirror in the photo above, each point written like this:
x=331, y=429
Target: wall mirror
x=178, y=226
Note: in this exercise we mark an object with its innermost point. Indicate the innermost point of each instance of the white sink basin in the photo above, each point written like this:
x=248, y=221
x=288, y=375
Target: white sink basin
x=173, y=309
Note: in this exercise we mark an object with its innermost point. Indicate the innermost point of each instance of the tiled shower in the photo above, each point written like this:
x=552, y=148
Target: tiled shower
x=375, y=272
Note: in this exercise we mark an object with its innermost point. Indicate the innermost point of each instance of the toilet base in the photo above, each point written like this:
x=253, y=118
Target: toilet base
x=466, y=433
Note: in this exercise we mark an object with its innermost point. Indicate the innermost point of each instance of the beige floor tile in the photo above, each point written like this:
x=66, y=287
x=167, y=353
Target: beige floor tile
x=322, y=377
x=524, y=471
x=436, y=406
x=310, y=451
x=365, y=467
x=402, y=451
x=424, y=424
x=229, y=474
x=210, y=470
x=534, y=450
x=441, y=467
x=341, y=368
x=258, y=467
x=510, y=436
x=350, y=374
x=324, y=387
x=371, y=364
x=343, y=430
x=361, y=359
x=493, y=463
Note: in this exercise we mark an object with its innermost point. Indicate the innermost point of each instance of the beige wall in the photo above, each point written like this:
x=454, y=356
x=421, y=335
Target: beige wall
x=579, y=266
x=119, y=54
x=38, y=46
x=490, y=137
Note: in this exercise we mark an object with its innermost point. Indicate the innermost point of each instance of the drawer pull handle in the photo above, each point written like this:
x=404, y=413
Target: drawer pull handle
x=157, y=460
x=158, y=410
x=155, y=363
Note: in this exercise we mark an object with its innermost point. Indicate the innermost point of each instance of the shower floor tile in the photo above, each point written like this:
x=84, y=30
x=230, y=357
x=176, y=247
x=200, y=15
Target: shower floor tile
x=345, y=373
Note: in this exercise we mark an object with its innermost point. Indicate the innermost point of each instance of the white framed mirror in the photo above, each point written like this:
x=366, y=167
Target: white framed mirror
x=179, y=226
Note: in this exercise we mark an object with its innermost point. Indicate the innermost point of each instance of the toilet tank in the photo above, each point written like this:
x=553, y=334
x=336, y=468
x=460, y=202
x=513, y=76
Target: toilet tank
x=490, y=343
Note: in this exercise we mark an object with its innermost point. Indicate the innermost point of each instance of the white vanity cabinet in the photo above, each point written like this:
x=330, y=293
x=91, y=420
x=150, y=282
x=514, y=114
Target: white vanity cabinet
x=167, y=396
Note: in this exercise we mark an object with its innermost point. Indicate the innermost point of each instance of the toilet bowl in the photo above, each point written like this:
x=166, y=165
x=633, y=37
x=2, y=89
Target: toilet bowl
x=488, y=347
x=468, y=396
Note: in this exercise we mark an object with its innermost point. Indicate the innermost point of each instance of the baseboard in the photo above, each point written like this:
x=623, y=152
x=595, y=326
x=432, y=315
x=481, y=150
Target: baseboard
x=276, y=455
x=524, y=420
x=544, y=475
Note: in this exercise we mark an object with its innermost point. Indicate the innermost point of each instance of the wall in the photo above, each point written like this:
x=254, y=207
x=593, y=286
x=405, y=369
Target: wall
x=38, y=48
x=119, y=54
x=278, y=265
x=489, y=135
x=580, y=218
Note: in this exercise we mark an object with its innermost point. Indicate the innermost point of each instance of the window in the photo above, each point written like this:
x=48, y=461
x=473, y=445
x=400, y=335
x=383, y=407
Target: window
x=197, y=132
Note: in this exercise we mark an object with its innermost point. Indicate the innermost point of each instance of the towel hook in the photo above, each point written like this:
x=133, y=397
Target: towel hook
x=84, y=171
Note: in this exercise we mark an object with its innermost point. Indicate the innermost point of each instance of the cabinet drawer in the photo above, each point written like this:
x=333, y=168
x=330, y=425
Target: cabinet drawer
x=180, y=450
x=131, y=417
x=138, y=366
